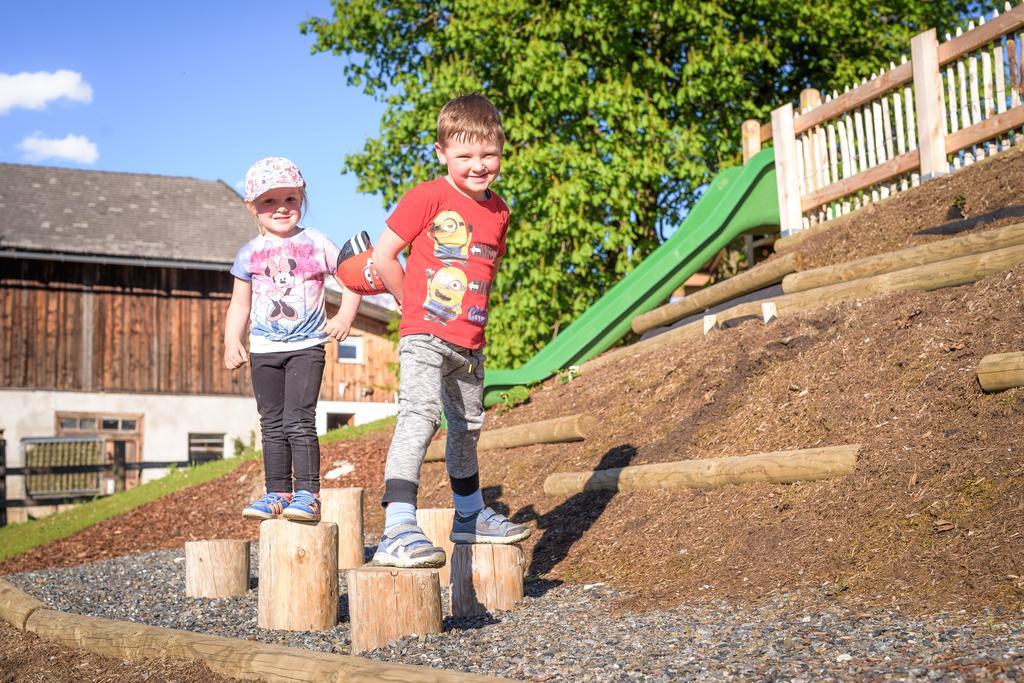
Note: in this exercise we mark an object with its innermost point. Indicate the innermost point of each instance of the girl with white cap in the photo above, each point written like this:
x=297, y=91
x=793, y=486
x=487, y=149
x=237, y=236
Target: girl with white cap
x=279, y=294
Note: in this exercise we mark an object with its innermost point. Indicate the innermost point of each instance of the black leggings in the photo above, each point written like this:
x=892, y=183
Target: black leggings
x=287, y=384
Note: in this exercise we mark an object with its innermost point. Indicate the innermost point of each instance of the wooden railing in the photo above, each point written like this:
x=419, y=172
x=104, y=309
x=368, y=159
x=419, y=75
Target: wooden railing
x=951, y=104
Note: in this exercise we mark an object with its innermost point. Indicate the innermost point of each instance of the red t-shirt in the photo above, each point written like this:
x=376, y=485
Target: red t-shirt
x=456, y=243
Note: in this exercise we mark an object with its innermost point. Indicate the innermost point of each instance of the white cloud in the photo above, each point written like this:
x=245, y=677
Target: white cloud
x=37, y=89
x=77, y=148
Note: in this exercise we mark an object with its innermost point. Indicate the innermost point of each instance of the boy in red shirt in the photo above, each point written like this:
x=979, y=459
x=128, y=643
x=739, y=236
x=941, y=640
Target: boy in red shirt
x=455, y=227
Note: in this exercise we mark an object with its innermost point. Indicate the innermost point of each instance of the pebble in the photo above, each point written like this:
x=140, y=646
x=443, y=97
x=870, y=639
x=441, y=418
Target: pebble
x=571, y=632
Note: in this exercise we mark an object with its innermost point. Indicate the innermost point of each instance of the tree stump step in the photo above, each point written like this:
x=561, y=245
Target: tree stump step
x=386, y=603
x=298, y=588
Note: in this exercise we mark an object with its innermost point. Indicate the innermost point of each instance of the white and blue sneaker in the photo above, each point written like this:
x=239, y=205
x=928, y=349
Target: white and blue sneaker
x=487, y=526
x=406, y=546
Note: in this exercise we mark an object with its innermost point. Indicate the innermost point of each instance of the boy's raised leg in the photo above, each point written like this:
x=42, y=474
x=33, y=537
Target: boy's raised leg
x=462, y=397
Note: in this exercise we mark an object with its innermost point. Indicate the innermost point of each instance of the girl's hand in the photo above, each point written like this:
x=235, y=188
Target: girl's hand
x=338, y=328
x=234, y=355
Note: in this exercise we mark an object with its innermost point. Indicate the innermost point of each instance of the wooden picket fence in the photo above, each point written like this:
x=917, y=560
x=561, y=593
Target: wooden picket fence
x=951, y=104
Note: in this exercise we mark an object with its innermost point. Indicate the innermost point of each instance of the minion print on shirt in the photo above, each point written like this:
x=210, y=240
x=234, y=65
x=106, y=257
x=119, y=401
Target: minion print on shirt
x=456, y=244
x=451, y=235
x=445, y=290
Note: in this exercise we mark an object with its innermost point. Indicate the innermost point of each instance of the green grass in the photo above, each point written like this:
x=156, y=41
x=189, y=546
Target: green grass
x=346, y=433
x=18, y=538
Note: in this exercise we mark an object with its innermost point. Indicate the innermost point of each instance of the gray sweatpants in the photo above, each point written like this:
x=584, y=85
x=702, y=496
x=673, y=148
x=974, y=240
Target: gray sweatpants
x=434, y=373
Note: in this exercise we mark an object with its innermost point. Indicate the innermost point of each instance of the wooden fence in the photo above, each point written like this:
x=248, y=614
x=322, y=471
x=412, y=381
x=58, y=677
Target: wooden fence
x=953, y=103
x=60, y=470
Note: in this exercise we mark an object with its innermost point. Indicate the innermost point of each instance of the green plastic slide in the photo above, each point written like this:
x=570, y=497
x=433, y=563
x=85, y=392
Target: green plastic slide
x=738, y=200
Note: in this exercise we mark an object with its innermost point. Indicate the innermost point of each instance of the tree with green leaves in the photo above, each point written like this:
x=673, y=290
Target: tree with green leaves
x=617, y=113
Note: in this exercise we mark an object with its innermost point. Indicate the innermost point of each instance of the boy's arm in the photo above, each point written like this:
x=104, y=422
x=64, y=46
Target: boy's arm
x=234, y=326
x=338, y=327
x=385, y=258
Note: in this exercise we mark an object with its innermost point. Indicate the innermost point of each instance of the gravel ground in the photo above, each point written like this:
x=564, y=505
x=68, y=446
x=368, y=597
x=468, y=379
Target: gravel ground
x=574, y=633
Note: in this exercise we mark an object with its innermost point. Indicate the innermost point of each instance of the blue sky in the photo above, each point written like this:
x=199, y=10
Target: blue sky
x=185, y=88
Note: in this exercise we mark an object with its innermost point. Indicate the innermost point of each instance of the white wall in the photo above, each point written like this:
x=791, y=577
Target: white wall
x=166, y=423
x=362, y=412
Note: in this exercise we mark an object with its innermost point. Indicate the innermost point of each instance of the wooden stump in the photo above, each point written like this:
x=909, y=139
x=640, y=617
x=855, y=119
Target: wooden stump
x=298, y=576
x=486, y=578
x=216, y=568
x=344, y=507
x=437, y=525
x=385, y=603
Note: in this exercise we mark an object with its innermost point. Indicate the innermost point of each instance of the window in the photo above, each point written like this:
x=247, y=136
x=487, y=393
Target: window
x=205, y=447
x=335, y=420
x=351, y=350
x=71, y=423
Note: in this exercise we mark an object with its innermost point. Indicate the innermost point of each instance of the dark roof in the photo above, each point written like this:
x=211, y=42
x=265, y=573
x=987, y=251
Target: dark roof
x=128, y=215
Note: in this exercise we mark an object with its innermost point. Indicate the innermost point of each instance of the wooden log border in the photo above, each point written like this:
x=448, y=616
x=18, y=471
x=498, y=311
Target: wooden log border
x=228, y=656
x=781, y=467
x=932, y=252
x=756, y=278
x=557, y=430
x=949, y=273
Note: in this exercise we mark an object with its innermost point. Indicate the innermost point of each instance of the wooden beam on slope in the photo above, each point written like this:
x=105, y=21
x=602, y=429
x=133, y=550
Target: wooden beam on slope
x=781, y=467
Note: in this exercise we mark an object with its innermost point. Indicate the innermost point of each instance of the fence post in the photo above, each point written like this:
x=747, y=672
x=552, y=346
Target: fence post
x=3, y=482
x=751, y=135
x=810, y=99
x=786, y=182
x=929, y=103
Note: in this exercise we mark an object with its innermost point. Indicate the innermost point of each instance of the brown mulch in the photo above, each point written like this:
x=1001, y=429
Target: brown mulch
x=24, y=658
x=932, y=517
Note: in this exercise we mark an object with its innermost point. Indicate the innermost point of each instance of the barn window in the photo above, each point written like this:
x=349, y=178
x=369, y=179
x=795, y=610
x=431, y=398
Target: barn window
x=351, y=350
x=205, y=447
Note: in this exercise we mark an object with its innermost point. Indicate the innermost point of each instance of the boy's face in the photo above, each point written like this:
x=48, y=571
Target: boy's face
x=472, y=166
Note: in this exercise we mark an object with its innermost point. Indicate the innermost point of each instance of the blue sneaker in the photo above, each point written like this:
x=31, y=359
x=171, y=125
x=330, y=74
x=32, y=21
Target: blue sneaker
x=269, y=506
x=305, y=507
x=406, y=546
x=487, y=526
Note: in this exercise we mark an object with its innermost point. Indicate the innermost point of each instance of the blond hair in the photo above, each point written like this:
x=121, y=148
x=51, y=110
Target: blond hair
x=469, y=118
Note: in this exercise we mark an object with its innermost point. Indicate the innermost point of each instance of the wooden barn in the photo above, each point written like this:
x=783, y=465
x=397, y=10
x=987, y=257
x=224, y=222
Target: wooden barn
x=113, y=292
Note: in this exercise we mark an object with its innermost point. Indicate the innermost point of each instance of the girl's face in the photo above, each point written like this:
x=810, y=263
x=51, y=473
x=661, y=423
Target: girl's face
x=279, y=210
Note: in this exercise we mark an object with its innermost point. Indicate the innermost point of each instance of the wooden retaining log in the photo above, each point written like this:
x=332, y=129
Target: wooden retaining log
x=966, y=245
x=999, y=371
x=298, y=586
x=951, y=273
x=244, y=659
x=216, y=568
x=756, y=278
x=437, y=526
x=344, y=507
x=486, y=578
x=557, y=430
x=781, y=467
x=385, y=603
x=16, y=605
